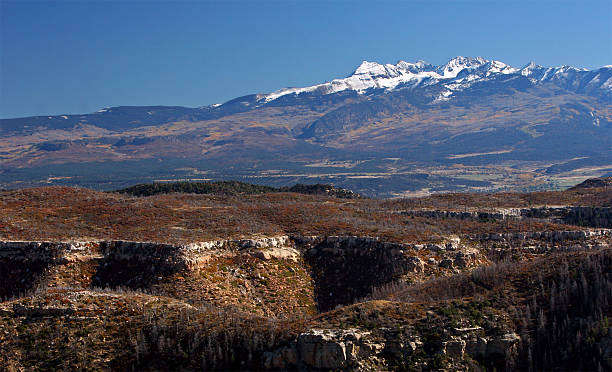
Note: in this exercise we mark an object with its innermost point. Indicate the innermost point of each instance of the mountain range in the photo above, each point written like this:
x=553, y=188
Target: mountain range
x=458, y=74
x=470, y=124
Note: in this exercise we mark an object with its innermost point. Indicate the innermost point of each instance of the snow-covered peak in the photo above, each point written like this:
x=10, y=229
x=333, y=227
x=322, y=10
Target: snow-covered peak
x=372, y=68
x=457, y=74
x=458, y=64
x=501, y=68
x=535, y=72
x=369, y=75
x=566, y=68
x=529, y=68
x=416, y=67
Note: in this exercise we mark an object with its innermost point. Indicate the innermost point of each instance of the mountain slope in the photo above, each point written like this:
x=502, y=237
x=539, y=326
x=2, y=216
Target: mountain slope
x=382, y=130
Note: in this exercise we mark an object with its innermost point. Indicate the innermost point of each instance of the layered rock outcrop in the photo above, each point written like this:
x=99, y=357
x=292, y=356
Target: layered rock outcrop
x=323, y=349
x=23, y=264
x=354, y=349
x=547, y=236
x=347, y=268
x=575, y=215
x=499, y=214
x=342, y=268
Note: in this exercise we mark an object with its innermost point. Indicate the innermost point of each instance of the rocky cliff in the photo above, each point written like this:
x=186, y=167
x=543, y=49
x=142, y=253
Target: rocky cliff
x=342, y=269
x=573, y=215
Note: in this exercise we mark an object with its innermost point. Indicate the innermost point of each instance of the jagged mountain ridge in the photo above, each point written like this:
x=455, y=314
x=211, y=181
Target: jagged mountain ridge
x=458, y=73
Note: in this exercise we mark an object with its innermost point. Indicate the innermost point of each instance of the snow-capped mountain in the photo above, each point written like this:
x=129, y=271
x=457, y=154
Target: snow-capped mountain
x=572, y=78
x=458, y=74
x=469, y=111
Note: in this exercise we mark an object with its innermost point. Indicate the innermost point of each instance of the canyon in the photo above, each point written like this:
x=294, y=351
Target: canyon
x=265, y=279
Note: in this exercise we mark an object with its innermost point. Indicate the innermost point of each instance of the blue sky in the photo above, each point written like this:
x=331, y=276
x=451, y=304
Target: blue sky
x=79, y=56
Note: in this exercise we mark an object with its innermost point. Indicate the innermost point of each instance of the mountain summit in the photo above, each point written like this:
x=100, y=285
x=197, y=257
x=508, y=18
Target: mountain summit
x=456, y=74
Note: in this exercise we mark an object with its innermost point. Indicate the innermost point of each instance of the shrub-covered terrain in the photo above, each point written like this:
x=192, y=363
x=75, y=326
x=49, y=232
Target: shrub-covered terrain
x=232, y=188
x=65, y=213
x=271, y=280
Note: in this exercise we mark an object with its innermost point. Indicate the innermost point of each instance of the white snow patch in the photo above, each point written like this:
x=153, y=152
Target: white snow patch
x=444, y=96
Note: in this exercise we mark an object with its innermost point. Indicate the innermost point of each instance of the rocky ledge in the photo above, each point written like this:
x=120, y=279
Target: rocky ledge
x=355, y=349
x=575, y=215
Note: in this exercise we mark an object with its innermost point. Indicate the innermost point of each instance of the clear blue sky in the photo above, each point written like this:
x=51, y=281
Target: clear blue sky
x=80, y=56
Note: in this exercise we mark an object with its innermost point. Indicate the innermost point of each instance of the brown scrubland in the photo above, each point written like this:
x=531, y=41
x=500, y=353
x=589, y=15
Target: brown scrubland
x=287, y=281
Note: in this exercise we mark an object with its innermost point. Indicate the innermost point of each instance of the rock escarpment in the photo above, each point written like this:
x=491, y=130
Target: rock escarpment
x=502, y=245
x=356, y=349
x=347, y=268
x=342, y=268
x=573, y=215
x=136, y=264
x=24, y=264
x=545, y=236
x=465, y=215
x=325, y=349
x=473, y=342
